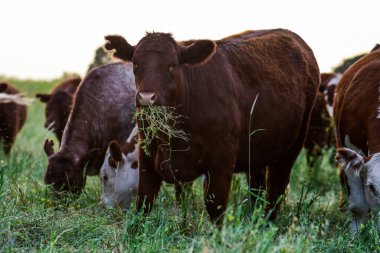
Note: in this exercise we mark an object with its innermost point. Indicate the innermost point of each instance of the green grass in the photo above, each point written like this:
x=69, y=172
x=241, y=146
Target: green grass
x=32, y=221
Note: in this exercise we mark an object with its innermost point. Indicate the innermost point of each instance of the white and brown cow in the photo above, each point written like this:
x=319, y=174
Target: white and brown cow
x=119, y=175
x=357, y=128
x=320, y=133
x=327, y=87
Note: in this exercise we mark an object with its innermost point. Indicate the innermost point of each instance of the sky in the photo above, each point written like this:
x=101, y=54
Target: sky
x=42, y=39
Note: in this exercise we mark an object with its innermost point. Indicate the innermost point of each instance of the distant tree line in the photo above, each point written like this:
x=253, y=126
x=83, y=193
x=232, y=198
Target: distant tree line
x=101, y=57
x=349, y=61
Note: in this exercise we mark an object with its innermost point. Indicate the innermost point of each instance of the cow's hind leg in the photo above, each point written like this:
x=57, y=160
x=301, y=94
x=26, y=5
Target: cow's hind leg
x=279, y=177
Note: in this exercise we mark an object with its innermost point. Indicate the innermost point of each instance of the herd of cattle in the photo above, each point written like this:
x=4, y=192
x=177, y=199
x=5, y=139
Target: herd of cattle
x=212, y=85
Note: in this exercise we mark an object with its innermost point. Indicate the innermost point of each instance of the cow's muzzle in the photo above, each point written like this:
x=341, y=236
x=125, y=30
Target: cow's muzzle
x=145, y=98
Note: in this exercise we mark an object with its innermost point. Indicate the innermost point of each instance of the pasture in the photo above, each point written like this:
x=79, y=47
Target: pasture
x=31, y=220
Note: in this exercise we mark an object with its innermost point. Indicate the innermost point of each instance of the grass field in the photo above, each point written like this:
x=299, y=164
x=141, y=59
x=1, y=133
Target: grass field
x=32, y=221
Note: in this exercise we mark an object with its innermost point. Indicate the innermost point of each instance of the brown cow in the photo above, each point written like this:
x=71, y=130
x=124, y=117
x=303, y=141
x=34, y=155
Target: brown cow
x=212, y=86
x=320, y=133
x=58, y=105
x=103, y=109
x=12, y=118
x=357, y=128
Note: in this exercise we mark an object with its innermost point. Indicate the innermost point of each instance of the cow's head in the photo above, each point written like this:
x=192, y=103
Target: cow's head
x=328, y=85
x=3, y=87
x=366, y=168
x=119, y=175
x=62, y=172
x=157, y=64
x=57, y=111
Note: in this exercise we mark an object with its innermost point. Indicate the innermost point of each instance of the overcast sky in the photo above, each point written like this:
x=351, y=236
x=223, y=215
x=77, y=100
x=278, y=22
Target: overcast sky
x=44, y=38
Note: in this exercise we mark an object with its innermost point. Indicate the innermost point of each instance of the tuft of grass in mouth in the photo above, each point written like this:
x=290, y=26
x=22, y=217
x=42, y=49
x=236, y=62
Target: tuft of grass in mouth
x=159, y=122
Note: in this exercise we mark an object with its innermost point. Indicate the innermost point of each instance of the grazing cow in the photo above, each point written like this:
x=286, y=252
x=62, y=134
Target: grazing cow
x=58, y=105
x=357, y=124
x=103, y=110
x=212, y=86
x=12, y=117
x=320, y=134
x=119, y=175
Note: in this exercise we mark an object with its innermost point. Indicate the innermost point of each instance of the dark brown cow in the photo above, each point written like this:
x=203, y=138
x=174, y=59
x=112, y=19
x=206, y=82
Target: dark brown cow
x=103, y=111
x=357, y=127
x=12, y=118
x=58, y=105
x=320, y=134
x=212, y=85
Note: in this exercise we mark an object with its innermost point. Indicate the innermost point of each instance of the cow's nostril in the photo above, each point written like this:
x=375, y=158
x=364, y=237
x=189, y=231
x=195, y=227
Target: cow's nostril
x=145, y=98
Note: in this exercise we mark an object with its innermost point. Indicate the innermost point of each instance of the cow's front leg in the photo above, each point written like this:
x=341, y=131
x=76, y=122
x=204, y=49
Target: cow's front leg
x=149, y=183
x=216, y=193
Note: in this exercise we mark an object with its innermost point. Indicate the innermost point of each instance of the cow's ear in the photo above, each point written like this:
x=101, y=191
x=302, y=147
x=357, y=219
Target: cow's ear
x=49, y=147
x=349, y=160
x=43, y=97
x=62, y=97
x=116, y=155
x=3, y=86
x=124, y=50
x=198, y=52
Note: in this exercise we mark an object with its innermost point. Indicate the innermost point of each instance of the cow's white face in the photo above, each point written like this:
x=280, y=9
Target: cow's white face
x=119, y=175
x=363, y=178
x=372, y=181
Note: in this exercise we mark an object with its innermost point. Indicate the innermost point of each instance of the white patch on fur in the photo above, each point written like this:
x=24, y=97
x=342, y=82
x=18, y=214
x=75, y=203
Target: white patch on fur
x=15, y=98
x=330, y=110
x=122, y=184
x=133, y=134
x=334, y=80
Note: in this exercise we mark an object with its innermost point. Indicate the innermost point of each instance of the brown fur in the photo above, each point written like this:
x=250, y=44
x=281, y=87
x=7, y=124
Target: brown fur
x=318, y=132
x=102, y=111
x=12, y=118
x=58, y=105
x=214, y=96
x=356, y=105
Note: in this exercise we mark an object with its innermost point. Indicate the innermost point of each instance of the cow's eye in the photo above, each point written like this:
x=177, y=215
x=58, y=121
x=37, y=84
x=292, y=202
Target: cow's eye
x=135, y=66
x=172, y=67
x=372, y=189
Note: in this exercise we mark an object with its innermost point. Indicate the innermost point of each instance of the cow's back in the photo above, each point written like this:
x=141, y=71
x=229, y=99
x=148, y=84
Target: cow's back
x=70, y=86
x=12, y=118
